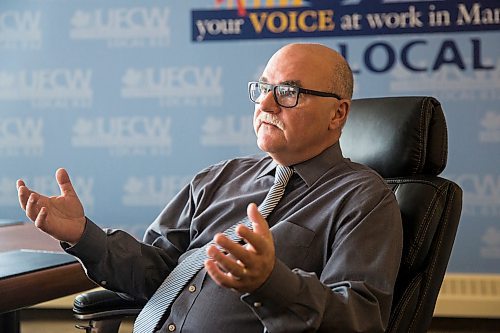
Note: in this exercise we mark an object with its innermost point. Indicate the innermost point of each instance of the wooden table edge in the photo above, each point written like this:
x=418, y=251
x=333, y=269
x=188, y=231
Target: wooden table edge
x=29, y=289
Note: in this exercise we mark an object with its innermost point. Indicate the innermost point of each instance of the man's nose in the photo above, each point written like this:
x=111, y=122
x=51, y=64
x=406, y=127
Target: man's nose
x=268, y=103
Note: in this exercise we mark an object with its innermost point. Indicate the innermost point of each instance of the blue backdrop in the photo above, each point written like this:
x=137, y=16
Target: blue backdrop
x=135, y=97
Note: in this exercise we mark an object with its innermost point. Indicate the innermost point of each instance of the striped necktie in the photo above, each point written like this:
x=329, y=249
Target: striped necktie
x=150, y=317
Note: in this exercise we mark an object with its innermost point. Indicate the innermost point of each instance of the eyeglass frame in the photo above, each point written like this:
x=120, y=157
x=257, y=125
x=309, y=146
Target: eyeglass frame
x=300, y=90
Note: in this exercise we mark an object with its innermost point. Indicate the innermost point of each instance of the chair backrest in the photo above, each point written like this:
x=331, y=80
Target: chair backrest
x=405, y=140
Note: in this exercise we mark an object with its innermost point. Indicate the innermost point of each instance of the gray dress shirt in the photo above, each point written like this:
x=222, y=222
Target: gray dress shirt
x=338, y=237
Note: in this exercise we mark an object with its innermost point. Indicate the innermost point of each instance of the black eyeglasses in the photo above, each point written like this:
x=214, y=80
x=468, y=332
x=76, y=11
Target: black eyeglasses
x=285, y=95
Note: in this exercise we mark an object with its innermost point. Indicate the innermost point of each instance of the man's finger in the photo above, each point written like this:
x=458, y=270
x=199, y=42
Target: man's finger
x=64, y=182
x=41, y=219
x=256, y=243
x=20, y=183
x=224, y=261
x=220, y=277
x=260, y=237
x=235, y=249
x=31, y=207
x=259, y=223
x=23, y=194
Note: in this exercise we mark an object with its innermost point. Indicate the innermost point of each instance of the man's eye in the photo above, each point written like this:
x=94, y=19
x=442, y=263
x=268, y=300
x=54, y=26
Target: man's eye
x=284, y=91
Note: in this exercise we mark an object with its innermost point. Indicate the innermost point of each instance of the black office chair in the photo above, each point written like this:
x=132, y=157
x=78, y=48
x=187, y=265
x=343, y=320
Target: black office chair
x=405, y=140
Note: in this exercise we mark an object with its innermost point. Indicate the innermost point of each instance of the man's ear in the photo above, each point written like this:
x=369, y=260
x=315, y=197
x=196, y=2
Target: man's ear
x=339, y=116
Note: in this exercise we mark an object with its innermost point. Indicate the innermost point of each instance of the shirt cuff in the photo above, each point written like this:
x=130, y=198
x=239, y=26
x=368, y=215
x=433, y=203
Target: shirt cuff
x=93, y=238
x=279, y=290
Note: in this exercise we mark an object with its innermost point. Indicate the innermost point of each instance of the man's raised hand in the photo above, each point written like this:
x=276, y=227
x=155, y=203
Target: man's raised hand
x=61, y=216
x=243, y=267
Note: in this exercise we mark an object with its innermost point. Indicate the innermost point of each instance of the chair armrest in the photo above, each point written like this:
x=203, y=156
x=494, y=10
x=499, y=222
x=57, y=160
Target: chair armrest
x=104, y=304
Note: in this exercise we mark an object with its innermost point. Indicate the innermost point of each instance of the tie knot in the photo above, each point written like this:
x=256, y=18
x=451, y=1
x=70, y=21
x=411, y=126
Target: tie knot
x=283, y=174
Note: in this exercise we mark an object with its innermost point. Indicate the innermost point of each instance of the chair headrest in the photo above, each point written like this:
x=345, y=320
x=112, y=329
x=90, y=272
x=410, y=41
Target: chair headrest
x=397, y=136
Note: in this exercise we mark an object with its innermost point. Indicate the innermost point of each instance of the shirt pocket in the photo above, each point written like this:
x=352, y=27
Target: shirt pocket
x=292, y=243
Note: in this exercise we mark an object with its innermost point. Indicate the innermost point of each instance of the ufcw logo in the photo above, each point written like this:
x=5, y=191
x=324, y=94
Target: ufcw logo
x=228, y=131
x=124, y=135
x=46, y=184
x=123, y=27
x=481, y=194
x=21, y=136
x=151, y=190
x=491, y=128
x=20, y=29
x=175, y=86
x=59, y=87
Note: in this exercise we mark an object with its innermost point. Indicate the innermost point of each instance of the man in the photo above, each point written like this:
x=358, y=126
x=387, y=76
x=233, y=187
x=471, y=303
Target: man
x=325, y=259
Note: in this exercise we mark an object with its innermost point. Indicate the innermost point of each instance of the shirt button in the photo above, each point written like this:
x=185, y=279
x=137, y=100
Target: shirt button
x=104, y=282
x=192, y=288
x=171, y=327
x=257, y=304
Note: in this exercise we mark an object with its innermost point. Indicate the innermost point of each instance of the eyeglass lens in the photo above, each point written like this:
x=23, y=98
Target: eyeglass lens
x=284, y=95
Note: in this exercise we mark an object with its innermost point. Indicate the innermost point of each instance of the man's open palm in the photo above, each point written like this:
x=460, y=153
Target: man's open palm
x=61, y=216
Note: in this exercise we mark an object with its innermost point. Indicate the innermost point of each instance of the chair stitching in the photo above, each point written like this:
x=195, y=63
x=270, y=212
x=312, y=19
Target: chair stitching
x=400, y=308
x=427, y=219
x=432, y=267
x=425, y=223
x=421, y=140
x=417, y=181
x=414, y=250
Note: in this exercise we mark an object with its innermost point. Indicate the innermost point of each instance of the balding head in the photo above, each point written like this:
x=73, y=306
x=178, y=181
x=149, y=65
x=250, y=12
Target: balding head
x=326, y=63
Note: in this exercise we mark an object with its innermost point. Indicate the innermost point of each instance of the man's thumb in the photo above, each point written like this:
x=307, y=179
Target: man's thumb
x=64, y=182
x=259, y=224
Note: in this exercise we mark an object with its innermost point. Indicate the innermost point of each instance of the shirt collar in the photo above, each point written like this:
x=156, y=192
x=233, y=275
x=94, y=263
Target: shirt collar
x=268, y=169
x=311, y=170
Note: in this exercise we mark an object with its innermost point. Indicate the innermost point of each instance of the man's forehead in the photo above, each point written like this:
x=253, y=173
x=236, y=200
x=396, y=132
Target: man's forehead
x=299, y=71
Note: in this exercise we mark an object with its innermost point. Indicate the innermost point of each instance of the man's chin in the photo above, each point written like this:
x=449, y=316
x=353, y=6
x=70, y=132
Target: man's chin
x=267, y=146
